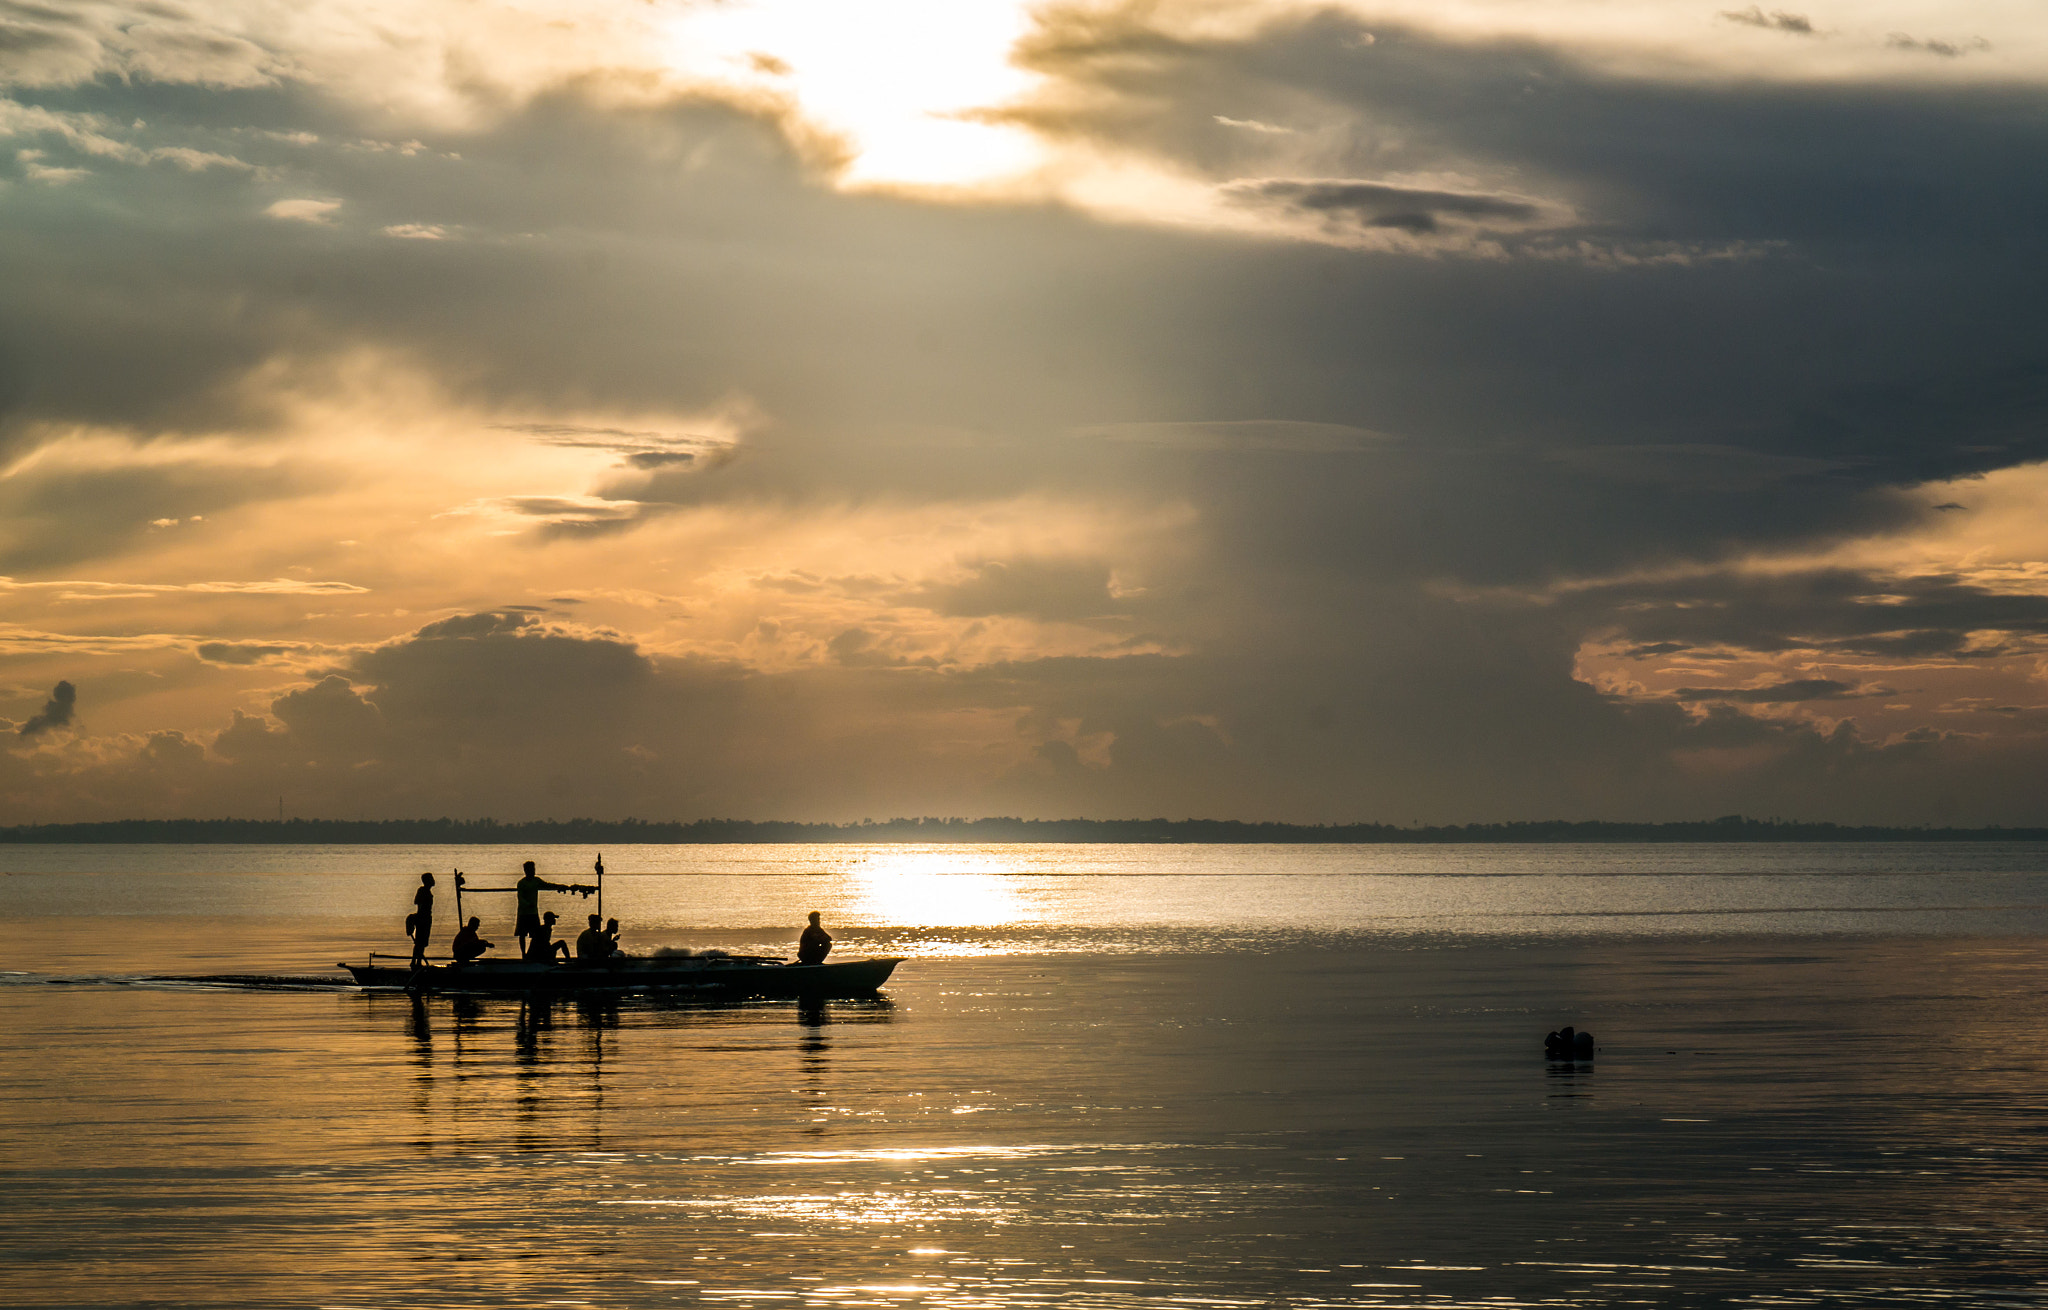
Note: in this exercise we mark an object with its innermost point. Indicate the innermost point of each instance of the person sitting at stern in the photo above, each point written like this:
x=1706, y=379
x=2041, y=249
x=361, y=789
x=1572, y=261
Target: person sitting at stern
x=815, y=944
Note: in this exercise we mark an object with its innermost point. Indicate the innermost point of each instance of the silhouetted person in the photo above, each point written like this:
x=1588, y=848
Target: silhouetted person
x=591, y=943
x=611, y=934
x=541, y=943
x=469, y=943
x=815, y=944
x=529, y=889
x=420, y=923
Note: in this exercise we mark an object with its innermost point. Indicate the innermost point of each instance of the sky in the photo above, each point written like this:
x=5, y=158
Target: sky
x=1453, y=412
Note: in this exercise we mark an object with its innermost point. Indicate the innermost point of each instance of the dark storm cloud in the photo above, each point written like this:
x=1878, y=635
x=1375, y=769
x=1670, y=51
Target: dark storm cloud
x=1415, y=210
x=56, y=713
x=1844, y=611
x=1792, y=691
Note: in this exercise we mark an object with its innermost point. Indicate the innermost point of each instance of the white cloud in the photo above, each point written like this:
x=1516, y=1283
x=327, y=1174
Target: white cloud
x=303, y=210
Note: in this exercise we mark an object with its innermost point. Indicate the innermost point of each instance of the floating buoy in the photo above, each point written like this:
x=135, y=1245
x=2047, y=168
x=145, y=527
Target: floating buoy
x=1568, y=1043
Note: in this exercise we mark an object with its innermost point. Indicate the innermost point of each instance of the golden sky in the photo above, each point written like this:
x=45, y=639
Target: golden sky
x=814, y=410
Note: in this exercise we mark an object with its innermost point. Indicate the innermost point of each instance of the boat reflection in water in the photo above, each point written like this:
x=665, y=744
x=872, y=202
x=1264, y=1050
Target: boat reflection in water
x=547, y=1073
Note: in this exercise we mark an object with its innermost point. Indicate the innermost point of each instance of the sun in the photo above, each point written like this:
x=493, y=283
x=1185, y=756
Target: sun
x=894, y=79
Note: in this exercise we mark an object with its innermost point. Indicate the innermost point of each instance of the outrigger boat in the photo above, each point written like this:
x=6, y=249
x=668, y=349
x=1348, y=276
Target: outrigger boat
x=711, y=975
x=723, y=977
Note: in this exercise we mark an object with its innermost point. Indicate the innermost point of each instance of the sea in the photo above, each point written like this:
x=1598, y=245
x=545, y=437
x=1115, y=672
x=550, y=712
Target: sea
x=1103, y=1076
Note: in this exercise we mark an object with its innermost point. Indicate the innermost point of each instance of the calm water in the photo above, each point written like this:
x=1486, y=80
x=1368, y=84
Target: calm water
x=1109, y=1076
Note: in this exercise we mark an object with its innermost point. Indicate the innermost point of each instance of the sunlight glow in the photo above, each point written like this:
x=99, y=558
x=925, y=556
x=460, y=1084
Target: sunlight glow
x=937, y=889
x=890, y=78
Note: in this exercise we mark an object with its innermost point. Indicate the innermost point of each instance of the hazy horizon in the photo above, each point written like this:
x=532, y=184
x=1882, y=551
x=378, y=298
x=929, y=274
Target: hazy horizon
x=1358, y=411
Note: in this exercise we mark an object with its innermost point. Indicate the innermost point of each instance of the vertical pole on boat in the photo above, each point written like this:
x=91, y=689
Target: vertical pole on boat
x=600, y=886
x=459, y=920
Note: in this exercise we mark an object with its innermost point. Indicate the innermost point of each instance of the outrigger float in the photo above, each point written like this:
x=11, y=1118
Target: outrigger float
x=710, y=976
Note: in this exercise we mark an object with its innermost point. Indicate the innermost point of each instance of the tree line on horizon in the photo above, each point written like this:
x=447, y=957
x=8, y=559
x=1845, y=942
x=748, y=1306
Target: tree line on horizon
x=554, y=832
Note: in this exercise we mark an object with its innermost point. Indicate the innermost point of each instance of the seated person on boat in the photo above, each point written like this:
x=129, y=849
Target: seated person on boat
x=815, y=944
x=469, y=943
x=541, y=944
x=593, y=943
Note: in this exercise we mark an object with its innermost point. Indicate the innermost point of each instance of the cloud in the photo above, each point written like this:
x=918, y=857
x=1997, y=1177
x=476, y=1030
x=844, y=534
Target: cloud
x=1840, y=611
x=1047, y=589
x=1701, y=467
x=242, y=652
x=1086, y=501
x=1790, y=692
x=1943, y=49
x=198, y=161
x=1778, y=20
x=643, y=449
x=1254, y=125
x=303, y=210
x=82, y=589
x=70, y=505
x=1366, y=205
x=1291, y=436
x=56, y=713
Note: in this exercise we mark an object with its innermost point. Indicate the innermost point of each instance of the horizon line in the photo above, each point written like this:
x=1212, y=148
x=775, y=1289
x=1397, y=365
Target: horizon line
x=1192, y=831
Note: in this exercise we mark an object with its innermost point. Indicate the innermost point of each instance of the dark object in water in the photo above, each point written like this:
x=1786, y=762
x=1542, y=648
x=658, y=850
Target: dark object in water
x=1568, y=1044
x=710, y=975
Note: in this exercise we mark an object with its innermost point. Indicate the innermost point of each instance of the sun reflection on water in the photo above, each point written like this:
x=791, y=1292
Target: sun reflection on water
x=940, y=889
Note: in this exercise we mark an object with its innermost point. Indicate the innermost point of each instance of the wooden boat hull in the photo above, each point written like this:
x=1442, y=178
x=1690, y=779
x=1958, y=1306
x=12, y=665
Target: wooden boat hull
x=712, y=978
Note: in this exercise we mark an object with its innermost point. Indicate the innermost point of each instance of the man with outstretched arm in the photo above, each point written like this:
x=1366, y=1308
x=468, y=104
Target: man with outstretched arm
x=528, y=890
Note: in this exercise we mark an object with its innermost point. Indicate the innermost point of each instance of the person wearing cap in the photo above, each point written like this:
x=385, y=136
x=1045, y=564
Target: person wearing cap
x=541, y=944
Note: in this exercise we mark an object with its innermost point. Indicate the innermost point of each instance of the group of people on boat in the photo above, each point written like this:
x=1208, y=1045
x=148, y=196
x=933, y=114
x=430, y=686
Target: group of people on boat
x=535, y=930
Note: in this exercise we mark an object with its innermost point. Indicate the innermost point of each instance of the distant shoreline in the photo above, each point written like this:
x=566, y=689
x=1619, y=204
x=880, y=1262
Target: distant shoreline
x=550, y=832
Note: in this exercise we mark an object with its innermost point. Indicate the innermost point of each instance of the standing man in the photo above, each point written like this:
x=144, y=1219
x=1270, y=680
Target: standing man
x=529, y=889
x=420, y=923
x=527, y=919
